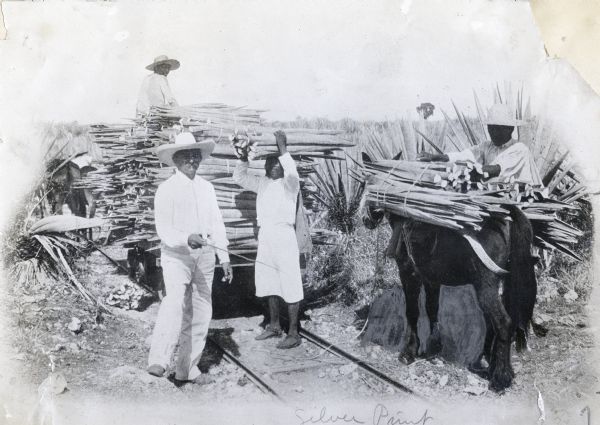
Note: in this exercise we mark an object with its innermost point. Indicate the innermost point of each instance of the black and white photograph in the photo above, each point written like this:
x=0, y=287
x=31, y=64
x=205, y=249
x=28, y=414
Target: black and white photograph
x=263, y=212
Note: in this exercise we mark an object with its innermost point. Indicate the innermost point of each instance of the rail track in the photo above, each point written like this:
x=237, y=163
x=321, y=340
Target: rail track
x=322, y=343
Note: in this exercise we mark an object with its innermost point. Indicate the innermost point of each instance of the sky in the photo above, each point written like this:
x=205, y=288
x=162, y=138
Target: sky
x=85, y=61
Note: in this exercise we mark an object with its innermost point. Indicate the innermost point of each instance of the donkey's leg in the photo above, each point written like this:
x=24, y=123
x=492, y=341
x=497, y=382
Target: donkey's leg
x=432, y=301
x=411, y=286
x=500, y=372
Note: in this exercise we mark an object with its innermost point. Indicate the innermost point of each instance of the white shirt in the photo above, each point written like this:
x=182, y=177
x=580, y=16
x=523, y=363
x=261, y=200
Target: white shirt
x=513, y=157
x=183, y=207
x=155, y=91
x=275, y=199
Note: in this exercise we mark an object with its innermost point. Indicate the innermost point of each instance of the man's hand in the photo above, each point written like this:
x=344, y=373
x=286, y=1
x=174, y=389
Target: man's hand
x=491, y=170
x=227, y=272
x=425, y=157
x=432, y=157
x=196, y=241
x=281, y=140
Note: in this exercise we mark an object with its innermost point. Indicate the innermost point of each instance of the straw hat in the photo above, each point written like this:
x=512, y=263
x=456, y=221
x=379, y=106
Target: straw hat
x=174, y=63
x=184, y=141
x=500, y=114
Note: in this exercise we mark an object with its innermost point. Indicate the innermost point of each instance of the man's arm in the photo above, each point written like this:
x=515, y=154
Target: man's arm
x=491, y=170
x=166, y=92
x=291, y=178
x=433, y=157
x=517, y=161
x=243, y=178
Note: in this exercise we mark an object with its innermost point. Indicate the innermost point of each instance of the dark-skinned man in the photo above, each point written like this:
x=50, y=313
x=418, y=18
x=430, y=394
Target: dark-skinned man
x=190, y=226
x=502, y=157
x=155, y=90
x=277, y=269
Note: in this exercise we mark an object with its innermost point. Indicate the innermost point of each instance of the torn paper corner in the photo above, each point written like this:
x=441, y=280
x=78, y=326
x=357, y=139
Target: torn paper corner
x=570, y=32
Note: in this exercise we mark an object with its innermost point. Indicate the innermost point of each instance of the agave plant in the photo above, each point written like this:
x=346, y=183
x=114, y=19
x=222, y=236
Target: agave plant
x=340, y=187
x=48, y=249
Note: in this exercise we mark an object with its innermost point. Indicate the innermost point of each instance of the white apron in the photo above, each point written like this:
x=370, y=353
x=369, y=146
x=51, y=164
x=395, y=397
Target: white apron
x=277, y=267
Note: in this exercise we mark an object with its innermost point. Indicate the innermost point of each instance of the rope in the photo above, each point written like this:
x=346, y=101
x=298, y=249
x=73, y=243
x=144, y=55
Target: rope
x=385, y=180
x=242, y=256
x=418, y=179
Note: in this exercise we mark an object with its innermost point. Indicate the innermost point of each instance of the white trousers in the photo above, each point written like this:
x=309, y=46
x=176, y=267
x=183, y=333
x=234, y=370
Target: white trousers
x=277, y=269
x=184, y=314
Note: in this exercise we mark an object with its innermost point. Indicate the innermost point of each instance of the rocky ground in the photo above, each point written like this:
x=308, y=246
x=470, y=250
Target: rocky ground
x=104, y=353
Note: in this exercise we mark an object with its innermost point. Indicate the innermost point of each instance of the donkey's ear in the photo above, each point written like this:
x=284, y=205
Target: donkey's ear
x=398, y=156
x=366, y=159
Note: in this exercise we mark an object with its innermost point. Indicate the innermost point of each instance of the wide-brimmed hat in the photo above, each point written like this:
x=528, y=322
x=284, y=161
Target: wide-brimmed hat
x=174, y=63
x=184, y=141
x=500, y=114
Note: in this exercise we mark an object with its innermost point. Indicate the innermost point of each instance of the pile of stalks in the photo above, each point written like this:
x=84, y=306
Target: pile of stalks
x=459, y=198
x=125, y=183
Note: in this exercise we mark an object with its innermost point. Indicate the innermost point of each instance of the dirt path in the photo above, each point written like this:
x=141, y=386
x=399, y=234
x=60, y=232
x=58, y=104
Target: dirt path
x=106, y=357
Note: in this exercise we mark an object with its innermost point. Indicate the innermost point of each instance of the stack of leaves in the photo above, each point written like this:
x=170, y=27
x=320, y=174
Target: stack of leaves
x=457, y=198
x=126, y=182
x=49, y=248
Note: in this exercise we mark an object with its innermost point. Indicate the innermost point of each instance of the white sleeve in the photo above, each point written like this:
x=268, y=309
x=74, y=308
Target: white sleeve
x=291, y=178
x=219, y=234
x=466, y=155
x=242, y=178
x=517, y=161
x=163, y=216
x=166, y=91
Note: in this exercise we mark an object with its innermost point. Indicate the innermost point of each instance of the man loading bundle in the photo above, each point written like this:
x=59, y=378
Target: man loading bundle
x=502, y=157
x=432, y=255
x=277, y=269
x=155, y=90
x=190, y=225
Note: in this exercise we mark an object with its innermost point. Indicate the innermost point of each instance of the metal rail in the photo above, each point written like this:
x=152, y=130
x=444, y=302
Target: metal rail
x=317, y=340
x=256, y=380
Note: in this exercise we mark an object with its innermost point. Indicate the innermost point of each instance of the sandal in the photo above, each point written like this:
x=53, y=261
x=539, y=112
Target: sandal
x=289, y=342
x=269, y=332
x=199, y=380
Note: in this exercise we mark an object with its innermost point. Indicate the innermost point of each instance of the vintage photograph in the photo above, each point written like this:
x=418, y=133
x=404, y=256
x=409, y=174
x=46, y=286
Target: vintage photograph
x=295, y=213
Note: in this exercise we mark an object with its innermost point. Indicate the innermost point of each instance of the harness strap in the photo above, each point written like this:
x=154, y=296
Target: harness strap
x=483, y=256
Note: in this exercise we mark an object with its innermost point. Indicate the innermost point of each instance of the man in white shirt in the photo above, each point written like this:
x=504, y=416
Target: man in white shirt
x=155, y=90
x=277, y=269
x=502, y=157
x=191, y=229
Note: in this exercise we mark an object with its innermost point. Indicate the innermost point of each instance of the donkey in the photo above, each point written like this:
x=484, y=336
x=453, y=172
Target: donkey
x=432, y=256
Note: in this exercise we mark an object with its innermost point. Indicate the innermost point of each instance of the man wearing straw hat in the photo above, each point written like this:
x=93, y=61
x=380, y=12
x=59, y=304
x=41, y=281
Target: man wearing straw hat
x=277, y=269
x=502, y=157
x=155, y=89
x=191, y=229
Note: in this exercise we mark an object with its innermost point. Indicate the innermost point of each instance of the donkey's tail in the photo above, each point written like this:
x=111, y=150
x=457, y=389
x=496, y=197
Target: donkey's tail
x=520, y=288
